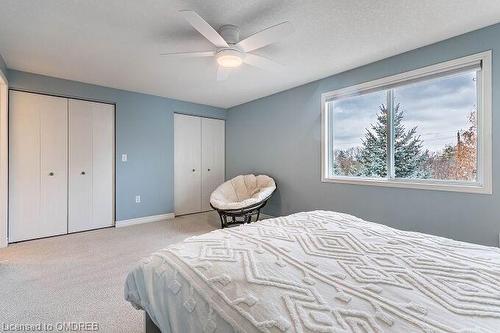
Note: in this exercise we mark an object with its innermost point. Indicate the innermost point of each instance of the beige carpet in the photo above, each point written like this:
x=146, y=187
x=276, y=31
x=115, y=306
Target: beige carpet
x=80, y=277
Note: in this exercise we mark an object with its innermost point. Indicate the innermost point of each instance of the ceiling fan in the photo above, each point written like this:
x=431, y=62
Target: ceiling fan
x=230, y=51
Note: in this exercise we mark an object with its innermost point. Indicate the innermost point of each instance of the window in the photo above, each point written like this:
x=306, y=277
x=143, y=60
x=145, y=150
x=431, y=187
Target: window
x=429, y=128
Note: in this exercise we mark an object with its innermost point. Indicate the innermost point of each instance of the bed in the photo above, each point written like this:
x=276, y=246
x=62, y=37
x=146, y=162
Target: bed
x=318, y=271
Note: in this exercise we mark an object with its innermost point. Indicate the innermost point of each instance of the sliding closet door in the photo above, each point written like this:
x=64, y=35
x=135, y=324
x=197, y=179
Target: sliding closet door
x=187, y=164
x=37, y=166
x=212, y=152
x=91, y=147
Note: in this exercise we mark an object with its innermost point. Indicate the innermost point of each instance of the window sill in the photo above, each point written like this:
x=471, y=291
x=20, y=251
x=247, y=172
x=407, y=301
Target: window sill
x=413, y=184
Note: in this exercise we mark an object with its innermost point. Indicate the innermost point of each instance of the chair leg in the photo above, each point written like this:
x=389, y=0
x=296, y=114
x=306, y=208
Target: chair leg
x=222, y=218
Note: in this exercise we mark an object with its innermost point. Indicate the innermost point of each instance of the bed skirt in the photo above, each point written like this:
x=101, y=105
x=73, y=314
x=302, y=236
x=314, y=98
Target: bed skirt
x=150, y=325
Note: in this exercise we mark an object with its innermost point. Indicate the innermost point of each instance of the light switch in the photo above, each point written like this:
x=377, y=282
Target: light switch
x=137, y=199
x=124, y=157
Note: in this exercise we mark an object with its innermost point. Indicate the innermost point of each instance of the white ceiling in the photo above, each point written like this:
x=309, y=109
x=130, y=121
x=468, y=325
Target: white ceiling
x=116, y=43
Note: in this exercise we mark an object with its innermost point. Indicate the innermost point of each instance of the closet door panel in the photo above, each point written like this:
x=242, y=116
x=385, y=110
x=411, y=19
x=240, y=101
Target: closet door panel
x=103, y=142
x=213, y=161
x=54, y=166
x=80, y=166
x=37, y=148
x=187, y=164
x=91, y=165
x=24, y=167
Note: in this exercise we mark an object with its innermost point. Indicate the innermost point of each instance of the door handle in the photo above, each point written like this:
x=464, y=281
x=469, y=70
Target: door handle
x=82, y=173
x=194, y=170
x=51, y=173
x=208, y=169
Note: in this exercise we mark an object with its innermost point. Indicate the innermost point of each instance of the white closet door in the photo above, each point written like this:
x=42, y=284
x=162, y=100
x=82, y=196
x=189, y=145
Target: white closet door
x=91, y=128
x=54, y=166
x=37, y=166
x=187, y=164
x=103, y=157
x=213, y=161
x=80, y=166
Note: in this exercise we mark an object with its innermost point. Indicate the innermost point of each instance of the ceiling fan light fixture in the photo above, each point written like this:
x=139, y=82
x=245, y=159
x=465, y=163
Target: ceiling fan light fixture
x=231, y=51
x=229, y=58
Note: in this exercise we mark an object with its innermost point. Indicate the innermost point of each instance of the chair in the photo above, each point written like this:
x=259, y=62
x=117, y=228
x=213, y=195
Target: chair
x=240, y=199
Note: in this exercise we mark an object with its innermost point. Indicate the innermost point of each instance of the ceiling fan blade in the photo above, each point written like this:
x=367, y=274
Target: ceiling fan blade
x=261, y=62
x=189, y=54
x=204, y=28
x=266, y=36
x=222, y=73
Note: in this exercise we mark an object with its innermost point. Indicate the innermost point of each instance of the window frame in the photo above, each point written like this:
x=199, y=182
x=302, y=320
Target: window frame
x=482, y=185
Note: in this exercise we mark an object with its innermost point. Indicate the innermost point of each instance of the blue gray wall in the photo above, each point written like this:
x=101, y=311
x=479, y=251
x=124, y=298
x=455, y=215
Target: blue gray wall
x=144, y=131
x=279, y=135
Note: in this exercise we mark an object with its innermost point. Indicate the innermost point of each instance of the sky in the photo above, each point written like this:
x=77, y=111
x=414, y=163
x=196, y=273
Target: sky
x=438, y=107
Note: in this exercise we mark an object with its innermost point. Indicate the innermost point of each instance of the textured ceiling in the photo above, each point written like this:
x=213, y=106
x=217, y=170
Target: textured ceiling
x=116, y=43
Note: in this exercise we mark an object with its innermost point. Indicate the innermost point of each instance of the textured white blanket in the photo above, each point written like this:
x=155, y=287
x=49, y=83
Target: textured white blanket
x=319, y=272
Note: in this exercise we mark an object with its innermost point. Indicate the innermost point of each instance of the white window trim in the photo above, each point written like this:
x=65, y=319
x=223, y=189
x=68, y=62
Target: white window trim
x=484, y=125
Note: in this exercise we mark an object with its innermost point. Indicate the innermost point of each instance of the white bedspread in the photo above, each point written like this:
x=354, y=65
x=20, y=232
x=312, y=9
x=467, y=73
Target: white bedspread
x=319, y=272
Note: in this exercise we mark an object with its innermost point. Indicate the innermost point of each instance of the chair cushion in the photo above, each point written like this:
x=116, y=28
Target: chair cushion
x=242, y=191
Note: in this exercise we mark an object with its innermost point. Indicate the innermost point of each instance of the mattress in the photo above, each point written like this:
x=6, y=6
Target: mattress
x=319, y=271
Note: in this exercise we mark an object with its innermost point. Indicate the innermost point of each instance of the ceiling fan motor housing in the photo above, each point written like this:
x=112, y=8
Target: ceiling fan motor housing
x=230, y=33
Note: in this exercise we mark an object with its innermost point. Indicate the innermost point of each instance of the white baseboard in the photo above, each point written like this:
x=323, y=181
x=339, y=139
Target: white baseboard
x=265, y=216
x=145, y=219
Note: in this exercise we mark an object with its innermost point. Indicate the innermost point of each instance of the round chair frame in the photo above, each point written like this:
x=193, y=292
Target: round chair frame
x=248, y=214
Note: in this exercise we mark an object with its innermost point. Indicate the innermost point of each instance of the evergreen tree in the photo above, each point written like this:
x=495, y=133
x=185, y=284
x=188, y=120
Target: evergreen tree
x=409, y=159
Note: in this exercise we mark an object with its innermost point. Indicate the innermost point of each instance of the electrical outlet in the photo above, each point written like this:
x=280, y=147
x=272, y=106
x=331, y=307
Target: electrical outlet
x=137, y=199
x=124, y=157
